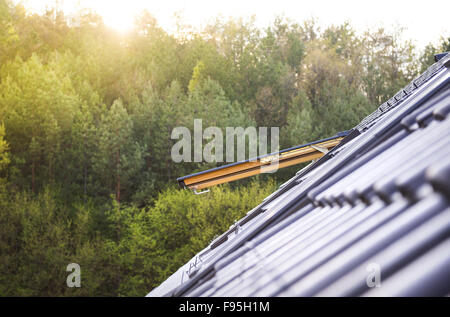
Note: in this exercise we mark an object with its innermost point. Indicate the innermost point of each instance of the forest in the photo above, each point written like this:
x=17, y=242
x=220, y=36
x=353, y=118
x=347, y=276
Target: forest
x=86, y=115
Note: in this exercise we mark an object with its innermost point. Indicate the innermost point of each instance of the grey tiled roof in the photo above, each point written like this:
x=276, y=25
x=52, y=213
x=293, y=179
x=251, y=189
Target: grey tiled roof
x=379, y=199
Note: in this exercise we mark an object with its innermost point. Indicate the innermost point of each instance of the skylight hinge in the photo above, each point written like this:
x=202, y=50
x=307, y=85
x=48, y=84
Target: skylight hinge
x=320, y=149
x=200, y=193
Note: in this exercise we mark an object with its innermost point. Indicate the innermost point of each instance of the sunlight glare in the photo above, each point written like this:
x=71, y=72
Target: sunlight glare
x=120, y=14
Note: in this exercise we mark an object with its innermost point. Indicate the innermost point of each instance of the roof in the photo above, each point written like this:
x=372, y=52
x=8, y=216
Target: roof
x=377, y=201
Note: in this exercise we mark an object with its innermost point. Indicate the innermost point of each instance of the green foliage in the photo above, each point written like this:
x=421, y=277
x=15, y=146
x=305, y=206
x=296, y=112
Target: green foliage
x=85, y=137
x=38, y=104
x=133, y=251
x=197, y=76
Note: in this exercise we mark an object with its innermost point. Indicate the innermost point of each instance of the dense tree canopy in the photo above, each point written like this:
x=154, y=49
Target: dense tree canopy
x=86, y=116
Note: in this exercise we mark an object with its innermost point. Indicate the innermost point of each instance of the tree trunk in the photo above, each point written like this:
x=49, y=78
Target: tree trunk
x=33, y=171
x=84, y=170
x=118, y=176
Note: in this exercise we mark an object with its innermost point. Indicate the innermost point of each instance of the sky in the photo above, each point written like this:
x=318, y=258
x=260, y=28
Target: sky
x=424, y=21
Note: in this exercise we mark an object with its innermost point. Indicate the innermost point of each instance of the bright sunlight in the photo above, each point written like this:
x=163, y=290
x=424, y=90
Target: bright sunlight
x=423, y=24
